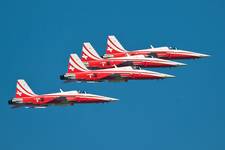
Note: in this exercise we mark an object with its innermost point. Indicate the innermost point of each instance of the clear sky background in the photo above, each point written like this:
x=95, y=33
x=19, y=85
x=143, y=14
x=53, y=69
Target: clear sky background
x=186, y=112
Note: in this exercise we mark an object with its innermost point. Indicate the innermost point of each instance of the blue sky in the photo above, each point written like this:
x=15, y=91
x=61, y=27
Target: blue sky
x=186, y=112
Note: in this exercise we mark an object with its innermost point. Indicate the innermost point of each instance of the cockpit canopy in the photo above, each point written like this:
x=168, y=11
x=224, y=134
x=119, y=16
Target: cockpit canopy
x=81, y=91
x=136, y=67
x=173, y=48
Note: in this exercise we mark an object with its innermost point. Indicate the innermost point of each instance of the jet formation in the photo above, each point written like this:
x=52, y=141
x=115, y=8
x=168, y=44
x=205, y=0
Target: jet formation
x=116, y=65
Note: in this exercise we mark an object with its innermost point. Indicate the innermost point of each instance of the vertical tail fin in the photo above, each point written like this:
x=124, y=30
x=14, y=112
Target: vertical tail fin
x=89, y=53
x=75, y=64
x=23, y=89
x=114, y=46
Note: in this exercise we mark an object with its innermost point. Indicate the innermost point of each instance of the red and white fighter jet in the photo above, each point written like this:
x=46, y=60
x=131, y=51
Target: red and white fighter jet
x=25, y=97
x=115, y=49
x=77, y=71
x=93, y=61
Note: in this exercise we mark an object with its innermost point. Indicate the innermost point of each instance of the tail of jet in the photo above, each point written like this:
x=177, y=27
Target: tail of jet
x=114, y=46
x=89, y=53
x=75, y=64
x=23, y=89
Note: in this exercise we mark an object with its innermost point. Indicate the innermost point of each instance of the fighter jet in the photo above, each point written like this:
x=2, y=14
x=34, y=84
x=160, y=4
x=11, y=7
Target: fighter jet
x=115, y=49
x=93, y=61
x=77, y=71
x=25, y=97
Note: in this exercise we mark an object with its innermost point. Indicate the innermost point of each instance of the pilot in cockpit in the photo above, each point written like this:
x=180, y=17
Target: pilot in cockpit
x=173, y=48
x=81, y=91
x=136, y=67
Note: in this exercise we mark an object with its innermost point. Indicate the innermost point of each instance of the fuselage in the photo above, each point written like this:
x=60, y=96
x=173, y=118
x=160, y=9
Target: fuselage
x=135, y=60
x=62, y=98
x=160, y=52
x=120, y=73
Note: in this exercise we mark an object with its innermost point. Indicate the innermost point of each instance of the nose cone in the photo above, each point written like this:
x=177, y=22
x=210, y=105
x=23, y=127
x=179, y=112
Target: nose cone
x=158, y=75
x=165, y=63
x=202, y=55
x=163, y=75
x=109, y=99
x=197, y=55
x=167, y=76
x=189, y=54
x=175, y=64
x=180, y=64
x=112, y=99
x=106, y=99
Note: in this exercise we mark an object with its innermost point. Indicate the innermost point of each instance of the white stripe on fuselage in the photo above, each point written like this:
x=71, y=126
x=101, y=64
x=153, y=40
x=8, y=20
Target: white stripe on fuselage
x=163, y=49
x=75, y=93
x=138, y=58
x=124, y=70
